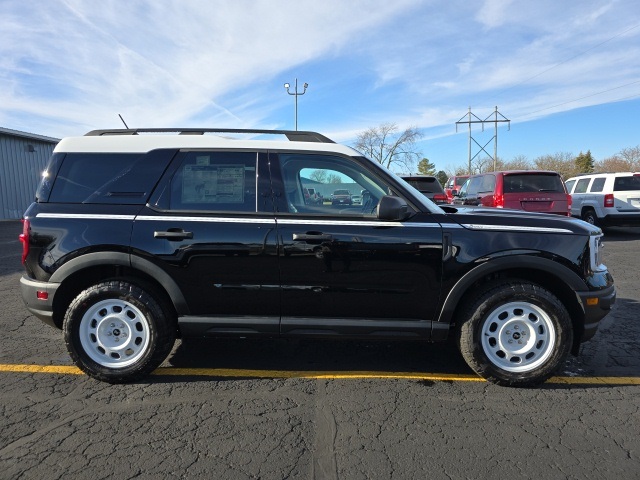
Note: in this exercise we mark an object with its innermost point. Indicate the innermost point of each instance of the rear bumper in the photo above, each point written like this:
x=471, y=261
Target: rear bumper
x=596, y=306
x=40, y=307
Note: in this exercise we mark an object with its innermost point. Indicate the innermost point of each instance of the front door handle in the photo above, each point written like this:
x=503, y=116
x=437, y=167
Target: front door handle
x=311, y=237
x=174, y=234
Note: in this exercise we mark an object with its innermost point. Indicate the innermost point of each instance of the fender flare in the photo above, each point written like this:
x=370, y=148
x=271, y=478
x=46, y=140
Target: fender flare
x=96, y=259
x=509, y=262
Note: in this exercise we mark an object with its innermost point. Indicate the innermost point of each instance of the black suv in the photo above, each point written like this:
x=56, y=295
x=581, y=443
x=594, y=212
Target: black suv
x=137, y=237
x=429, y=186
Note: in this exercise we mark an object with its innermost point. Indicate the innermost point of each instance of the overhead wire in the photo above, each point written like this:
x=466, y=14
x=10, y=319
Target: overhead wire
x=567, y=60
x=591, y=95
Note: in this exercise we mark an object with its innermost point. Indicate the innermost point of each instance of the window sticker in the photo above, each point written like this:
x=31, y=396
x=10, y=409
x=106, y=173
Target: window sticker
x=203, y=183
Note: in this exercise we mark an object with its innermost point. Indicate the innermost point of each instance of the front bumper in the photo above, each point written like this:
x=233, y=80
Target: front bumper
x=36, y=304
x=596, y=305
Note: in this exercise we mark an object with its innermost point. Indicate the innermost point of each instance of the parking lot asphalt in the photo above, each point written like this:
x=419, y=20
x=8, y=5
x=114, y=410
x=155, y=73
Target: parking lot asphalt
x=318, y=409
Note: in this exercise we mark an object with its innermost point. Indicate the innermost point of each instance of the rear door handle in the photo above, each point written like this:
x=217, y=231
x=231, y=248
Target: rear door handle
x=311, y=237
x=175, y=234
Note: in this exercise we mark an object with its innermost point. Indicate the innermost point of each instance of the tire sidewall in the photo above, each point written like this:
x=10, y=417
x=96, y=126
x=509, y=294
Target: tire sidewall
x=589, y=216
x=114, y=290
x=470, y=340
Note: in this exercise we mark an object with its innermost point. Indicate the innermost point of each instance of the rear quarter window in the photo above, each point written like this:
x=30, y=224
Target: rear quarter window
x=625, y=184
x=108, y=178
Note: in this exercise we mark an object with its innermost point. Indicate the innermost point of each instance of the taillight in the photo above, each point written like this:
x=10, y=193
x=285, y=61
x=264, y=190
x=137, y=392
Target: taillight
x=24, y=239
x=440, y=197
x=569, y=203
x=498, y=201
x=609, y=200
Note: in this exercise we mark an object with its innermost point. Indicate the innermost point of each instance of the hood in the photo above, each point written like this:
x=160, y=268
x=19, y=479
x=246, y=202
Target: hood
x=495, y=218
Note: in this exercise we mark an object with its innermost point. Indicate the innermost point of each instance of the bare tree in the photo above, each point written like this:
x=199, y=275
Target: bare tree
x=561, y=162
x=481, y=165
x=333, y=178
x=519, y=162
x=615, y=164
x=631, y=155
x=319, y=176
x=384, y=145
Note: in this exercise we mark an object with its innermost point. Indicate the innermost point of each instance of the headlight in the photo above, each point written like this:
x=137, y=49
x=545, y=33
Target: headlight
x=595, y=251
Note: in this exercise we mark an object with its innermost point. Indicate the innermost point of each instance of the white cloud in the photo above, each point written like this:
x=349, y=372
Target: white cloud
x=70, y=66
x=494, y=13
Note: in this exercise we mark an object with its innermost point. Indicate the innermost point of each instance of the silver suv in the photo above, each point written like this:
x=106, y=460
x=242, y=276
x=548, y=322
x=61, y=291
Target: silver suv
x=606, y=199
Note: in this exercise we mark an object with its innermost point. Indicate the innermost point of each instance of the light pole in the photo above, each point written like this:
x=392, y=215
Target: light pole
x=296, y=94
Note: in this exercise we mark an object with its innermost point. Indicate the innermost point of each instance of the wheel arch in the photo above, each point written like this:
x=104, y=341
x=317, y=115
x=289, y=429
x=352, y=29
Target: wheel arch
x=556, y=278
x=86, y=270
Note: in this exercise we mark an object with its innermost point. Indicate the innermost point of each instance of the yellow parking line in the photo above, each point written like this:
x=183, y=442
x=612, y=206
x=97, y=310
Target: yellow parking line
x=41, y=369
x=244, y=373
x=220, y=372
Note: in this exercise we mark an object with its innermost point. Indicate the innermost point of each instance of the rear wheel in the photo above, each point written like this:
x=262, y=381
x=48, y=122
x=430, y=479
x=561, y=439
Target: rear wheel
x=589, y=216
x=515, y=334
x=118, y=332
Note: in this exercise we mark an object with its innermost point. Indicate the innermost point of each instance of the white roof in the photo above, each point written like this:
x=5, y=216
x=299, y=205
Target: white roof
x=148, y=142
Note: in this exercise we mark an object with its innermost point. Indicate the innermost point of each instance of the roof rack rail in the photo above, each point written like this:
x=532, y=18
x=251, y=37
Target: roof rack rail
x=292, y=135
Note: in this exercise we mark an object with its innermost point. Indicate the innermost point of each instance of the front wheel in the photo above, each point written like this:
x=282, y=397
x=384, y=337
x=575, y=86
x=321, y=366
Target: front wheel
x=118, y=332
x=515, y=334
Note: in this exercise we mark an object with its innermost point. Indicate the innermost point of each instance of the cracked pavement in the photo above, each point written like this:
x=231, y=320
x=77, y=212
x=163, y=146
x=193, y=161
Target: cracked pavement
x=69, y=426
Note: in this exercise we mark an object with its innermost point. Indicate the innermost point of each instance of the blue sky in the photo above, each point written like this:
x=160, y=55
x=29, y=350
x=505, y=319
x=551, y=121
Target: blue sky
x=566, y=73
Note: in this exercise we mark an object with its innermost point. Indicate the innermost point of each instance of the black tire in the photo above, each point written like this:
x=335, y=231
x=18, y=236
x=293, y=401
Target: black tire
x=515, y=333
x=589, y=216
x=118, y=332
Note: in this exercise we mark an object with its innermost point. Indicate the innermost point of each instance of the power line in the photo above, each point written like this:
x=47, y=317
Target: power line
x=589, y=96
x=567, y=60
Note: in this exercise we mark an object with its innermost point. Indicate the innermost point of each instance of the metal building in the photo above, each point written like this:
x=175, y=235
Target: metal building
x=23, y=158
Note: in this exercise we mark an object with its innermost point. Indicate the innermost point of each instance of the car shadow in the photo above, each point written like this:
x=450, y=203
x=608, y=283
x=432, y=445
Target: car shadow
x=319, y=355
x=291, y=358
x=618, y=234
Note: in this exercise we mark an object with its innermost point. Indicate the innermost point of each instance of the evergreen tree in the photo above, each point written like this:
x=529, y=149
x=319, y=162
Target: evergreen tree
x=584, y=162
x=425, y=167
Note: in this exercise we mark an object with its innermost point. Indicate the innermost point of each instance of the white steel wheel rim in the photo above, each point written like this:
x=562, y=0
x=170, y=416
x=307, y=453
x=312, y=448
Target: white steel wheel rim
x=114, y=333
x=518, y=337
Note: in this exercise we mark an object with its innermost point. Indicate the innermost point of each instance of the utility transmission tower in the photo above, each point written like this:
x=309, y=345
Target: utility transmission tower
x=471, y=118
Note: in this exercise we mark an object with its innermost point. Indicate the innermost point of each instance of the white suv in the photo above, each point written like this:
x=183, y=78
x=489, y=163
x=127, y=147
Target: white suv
x=606, y=199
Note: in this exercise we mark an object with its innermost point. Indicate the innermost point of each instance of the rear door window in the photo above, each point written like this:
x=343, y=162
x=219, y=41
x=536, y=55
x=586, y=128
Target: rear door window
x=215, y=181
x=598, y=184
x=581, y=186
x=569, y=185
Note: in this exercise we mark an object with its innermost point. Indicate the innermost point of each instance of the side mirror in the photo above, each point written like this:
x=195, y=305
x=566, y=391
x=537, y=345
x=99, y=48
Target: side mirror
x=392, y=208
x=455, y=192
